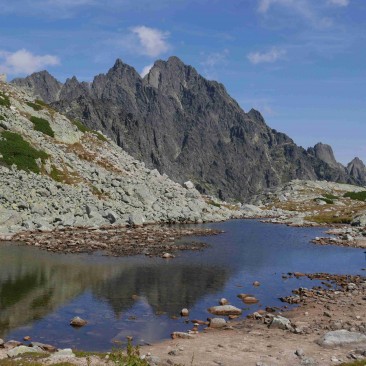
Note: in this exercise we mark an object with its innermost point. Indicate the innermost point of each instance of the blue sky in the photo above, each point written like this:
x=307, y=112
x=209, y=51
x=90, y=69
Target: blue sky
x=301, y=63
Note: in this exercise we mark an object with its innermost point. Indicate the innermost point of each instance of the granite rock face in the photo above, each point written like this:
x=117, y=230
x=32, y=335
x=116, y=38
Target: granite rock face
x=189, y=128
x=83, y=178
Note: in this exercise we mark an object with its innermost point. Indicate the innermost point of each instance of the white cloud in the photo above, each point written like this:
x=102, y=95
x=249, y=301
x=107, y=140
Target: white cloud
x=270, y=56
x=146, y=70
x=211, y=61
x=152, y=41
x=265, y=5
x=24, y=62
x=309, y=10
x=339, y=2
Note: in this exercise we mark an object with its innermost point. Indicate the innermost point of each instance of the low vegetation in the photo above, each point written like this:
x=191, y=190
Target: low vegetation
x=35, y=106
x=130, y=357
x=84, y=129
x=359, y=196
x=42, y=125
x=328, y=219
x=330, y=196
x=325, y=199
x=355, y=363
x=2, y=118
x=15, y=150
x=4, y=100
x=213, y=203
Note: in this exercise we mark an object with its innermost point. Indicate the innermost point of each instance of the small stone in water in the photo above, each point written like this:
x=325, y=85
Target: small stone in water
x=184, y=312
x=78, y=322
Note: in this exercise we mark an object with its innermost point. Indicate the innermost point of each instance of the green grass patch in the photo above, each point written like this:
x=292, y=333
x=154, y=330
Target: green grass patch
x=355, y=363
x=42, y=125
x=4, y=100
x=35, y=106
x=330, y=196
x=323, y=219
x=326, y=200
x=82, y=128
x=41, y=103
x=213, y=203
x=2, y=118
x=359, y=196
x=15, y=150
x=79, y=353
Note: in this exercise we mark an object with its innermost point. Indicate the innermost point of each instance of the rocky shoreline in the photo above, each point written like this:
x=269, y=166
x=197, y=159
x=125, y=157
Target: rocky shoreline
x=327, y=327
x=150, y=240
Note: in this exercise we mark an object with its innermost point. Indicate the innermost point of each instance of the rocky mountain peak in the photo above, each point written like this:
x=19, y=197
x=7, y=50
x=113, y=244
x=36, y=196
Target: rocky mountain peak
x=42, y=85
x=325, y=153
x=356, y=168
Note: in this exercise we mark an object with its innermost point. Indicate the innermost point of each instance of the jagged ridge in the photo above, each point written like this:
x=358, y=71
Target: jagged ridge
x=189, y=128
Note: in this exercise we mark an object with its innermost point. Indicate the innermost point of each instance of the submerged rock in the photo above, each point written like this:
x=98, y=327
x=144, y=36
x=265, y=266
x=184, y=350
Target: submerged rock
x=78, y=322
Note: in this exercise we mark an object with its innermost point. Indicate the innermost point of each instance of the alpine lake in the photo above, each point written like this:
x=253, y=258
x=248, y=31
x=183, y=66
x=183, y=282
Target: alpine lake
x=141, y=297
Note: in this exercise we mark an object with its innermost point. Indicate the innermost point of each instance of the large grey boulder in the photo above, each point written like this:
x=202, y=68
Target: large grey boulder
x=359, y=220
x=342, y=337
x=17, y=351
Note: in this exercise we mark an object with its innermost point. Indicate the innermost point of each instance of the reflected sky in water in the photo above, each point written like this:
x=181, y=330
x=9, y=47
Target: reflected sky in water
x=40, y=292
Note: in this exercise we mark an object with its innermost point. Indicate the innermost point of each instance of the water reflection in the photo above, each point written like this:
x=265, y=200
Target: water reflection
x=40, y=292
x=34, y=283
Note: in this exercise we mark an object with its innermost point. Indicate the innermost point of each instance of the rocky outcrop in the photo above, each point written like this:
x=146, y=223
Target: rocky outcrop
x=325, y=153
x=77, y=177
x=189, y=128
x=42, y=85
x=357, y=170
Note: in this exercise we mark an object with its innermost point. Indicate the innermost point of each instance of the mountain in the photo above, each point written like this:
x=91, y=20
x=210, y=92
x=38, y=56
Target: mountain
x=56, y=173
x=188, y=127
x=356, y=168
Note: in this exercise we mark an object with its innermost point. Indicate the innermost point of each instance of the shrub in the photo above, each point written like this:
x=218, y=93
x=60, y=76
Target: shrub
x=359, y=196
x=35, y=106
x=2, y=118
x=4, y=100
x=15, y=150
x=42, y=125
x=130, y=358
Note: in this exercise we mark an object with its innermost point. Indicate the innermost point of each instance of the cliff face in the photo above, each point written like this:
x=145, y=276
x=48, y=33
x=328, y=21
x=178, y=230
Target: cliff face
x=175, y=120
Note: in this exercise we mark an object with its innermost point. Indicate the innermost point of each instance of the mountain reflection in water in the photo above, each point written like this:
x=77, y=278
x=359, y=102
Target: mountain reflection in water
x=138, y=296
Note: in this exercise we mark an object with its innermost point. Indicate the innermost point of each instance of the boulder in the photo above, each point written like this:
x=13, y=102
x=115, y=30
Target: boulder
x=281, y=322
x=14, y=352
x=225, y=310
x=217, y=323
x=136, y=220
x=359, y=220
x=342, y=337
x=188, y=185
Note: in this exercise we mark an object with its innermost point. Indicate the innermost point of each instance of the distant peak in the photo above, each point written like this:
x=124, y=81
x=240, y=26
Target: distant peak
x=256, y=115
x=175, y=60
x=118, y=63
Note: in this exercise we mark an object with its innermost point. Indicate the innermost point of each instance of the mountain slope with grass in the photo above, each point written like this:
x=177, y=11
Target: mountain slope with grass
x=57, y=173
